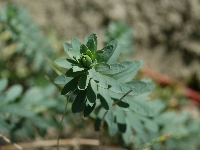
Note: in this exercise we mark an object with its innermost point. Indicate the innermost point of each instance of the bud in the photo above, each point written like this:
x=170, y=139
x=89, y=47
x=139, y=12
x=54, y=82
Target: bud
x=86, y=60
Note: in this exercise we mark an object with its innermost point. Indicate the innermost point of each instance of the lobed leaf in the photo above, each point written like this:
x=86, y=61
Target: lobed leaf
x=101, y=67
x=67, y=49
x=105, y=54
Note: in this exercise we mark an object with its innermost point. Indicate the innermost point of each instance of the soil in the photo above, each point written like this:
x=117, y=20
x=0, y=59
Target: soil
x=166, y=33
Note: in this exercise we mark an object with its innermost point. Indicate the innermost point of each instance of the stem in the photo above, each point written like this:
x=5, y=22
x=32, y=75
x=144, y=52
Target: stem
x=103, y=118
x=61, y=122
x=14, y=144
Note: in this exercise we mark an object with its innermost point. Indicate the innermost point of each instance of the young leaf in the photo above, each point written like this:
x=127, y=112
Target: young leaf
x=62, y=79
x=71, y=73
x=83, y=82
x=91, y=45
x=83, y=49
x=116, y=52
x=105, y=54
x=92, y=91
x=79, y=102
x=70, y=86
x=67, y=49
x=76, y=44
x=62, y=62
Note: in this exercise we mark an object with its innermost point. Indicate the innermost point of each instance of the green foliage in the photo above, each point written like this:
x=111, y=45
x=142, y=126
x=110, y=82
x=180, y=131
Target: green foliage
x=121, y=32
x=22, y=114
x=21, y=44
x=98, y=82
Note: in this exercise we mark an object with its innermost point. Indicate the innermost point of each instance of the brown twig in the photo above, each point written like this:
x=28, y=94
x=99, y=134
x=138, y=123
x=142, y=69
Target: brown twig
x=50, y=143
x=103, y=118
x=12, y=144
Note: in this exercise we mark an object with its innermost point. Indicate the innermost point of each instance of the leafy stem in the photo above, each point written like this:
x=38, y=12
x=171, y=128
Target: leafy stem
x=103, y=118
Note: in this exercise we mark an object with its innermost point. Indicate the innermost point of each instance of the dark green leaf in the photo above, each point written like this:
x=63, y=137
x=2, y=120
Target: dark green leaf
x=62, y=79
x=123, y=104
x=97, y=124
x=83, y=82
x=77, y=69
x=70, y=86
x=70, y=73
x=88, y=109
x=104, y=103
x=91, y=45
x=83, y=49
x=79, y=102
x=92, y=91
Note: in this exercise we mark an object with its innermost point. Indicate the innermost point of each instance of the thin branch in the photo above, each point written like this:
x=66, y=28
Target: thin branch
x=62, y=121
x=8, y=141
x=50, y=143
x=103, y=118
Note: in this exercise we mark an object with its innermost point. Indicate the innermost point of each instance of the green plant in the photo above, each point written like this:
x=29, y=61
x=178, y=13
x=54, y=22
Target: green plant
x=22, y=46
x=121, y=32
x=25, y=114
x=96, y=82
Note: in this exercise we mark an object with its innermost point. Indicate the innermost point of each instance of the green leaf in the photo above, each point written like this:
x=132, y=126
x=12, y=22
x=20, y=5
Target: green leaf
x=79, y=102
x=67, y=49
x=105, y=98
x=70, y=73
x=76, y=44
x=92, y=91
x=62, y=79
x=101, y=67
x=94, y=37
x=123, y=104
x=97, y=124
x=83, y=82
x=105, y=54
x=70, y=86
x=62, y=62
x=14, y=92
x=88, y=109
x=3, y=84
x=77, y=69
x=83, y=49
x=115, y=86
x=116, y=51
x=140, y=108
x=120, y=118
x=127, y=74
x=110, y=118
x=91, y=45
x=114, y=69
x=16, y=109
x=99, y=78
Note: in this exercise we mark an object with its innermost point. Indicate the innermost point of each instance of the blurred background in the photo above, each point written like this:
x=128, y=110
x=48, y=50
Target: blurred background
x=164, y=34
